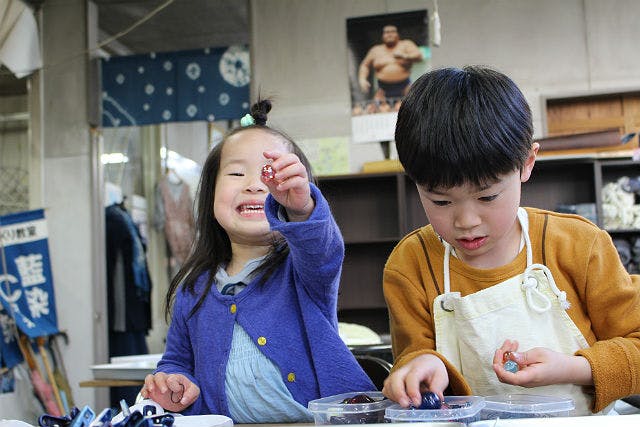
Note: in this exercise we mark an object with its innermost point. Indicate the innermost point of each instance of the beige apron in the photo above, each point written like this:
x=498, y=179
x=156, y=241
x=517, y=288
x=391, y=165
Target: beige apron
x=528, y=308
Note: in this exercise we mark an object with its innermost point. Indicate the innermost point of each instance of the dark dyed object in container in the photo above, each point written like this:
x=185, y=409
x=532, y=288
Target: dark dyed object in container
x=358, y=398
x=430, y=400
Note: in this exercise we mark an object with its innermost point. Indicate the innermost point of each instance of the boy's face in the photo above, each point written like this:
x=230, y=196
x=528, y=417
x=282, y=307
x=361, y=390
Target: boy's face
x=480, y=223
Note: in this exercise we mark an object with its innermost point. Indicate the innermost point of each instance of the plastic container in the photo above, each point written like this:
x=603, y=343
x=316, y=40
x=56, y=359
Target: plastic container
x=462, y=409
x=630, y=420
x=331, y=410
x=505, y=406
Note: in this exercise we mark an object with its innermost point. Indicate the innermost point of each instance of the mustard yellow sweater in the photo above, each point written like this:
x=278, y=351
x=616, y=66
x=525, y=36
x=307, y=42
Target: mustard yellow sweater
x=605, y=299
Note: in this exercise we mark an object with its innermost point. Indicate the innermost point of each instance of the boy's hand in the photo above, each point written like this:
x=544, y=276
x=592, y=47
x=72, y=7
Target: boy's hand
x=406, y=385
x=541, y=366
x=290, y=185
x=174, y=392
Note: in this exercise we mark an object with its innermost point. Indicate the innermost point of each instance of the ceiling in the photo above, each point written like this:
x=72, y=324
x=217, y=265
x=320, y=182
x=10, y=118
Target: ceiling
x=176, y=25
x=164, y=26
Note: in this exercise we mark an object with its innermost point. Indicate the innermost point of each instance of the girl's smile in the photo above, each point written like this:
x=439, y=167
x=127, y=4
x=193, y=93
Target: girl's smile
x=252, y=209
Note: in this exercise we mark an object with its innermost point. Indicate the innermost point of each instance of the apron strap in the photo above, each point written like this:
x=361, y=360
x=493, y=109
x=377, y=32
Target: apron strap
x=447, y=275
x=530, y=285
x=524, y=224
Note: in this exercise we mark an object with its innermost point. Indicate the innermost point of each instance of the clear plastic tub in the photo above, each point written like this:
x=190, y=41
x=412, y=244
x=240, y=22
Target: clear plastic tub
x=331, y=410
x=463, y=409
x=505, y=406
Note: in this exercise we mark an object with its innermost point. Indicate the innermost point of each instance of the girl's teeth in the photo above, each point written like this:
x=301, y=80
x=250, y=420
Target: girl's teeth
x=252, y=208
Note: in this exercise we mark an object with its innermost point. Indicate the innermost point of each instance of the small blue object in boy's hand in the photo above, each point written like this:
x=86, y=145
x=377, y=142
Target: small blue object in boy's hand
x=430, y=400
x=511, y=366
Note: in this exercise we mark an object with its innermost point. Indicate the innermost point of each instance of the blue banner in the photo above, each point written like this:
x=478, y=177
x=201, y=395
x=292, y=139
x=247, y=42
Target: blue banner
x=26, y=282
x=9, y=351
x=196, y=85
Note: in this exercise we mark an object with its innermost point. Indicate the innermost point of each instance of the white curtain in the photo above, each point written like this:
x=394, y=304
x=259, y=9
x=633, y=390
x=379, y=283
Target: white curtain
x=19, y=41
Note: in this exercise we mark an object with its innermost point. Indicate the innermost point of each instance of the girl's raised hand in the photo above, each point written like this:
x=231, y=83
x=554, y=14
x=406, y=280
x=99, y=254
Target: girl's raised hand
x=174, y=392
x=289, y=185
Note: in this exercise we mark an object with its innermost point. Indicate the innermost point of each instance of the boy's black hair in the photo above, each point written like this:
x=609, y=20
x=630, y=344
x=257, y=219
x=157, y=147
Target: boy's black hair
x=212, y=247
x=463, y=126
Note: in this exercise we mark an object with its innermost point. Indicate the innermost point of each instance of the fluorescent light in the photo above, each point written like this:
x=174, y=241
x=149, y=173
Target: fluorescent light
x=111, y=158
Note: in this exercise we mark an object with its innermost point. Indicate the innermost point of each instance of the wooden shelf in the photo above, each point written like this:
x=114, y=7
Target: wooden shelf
x=374, y=241
x=374, y=211
x=623, y=231
x=111, y=383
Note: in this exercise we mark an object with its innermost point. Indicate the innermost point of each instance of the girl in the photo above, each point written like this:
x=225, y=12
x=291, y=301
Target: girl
x=254, y=331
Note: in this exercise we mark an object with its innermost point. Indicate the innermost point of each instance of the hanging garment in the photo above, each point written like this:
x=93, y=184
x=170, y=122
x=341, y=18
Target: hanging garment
x=528, y=307
x=175, y=216
x=128, y=283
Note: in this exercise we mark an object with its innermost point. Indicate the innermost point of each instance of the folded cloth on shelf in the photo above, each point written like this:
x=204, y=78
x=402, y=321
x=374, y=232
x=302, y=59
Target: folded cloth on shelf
x=354, y=334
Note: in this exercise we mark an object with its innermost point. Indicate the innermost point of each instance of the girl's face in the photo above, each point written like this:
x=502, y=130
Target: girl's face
x=480, y=223
x=240, y=193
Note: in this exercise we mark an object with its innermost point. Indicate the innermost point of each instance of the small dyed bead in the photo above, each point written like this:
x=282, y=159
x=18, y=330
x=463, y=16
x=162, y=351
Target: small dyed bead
x=511, y=366
x=358, y=398
x=430, y=400
x=267, y=172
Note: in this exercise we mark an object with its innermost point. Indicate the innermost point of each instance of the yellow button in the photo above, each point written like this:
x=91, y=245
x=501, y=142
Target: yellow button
x=291, y=377
x=233, y=308
x=262, y=341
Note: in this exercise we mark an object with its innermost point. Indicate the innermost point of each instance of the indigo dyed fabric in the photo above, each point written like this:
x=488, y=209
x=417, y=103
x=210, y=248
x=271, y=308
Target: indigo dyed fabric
x=195, y=85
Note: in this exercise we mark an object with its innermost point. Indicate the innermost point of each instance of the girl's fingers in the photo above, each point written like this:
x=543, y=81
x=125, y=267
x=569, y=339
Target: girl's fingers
x=282, y=169
x=149, y=385
x=280, y=161
x=292, y=183
x=273, y=155
x=156, y=382
x=289, y=171
x=191, y=393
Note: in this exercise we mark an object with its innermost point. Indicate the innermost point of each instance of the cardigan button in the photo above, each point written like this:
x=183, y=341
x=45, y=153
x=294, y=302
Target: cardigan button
x=262, y=341
x=233, y=309
x=291, y=377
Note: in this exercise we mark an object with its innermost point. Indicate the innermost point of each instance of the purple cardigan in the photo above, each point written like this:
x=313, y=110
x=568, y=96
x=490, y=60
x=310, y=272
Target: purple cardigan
x=292, y=318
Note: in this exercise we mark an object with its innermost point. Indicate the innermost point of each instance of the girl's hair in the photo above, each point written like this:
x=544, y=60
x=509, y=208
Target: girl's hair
x=463, y=126
x=212, y=247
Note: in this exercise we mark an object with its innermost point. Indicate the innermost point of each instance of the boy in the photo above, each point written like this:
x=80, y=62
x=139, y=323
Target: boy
x=488, y=281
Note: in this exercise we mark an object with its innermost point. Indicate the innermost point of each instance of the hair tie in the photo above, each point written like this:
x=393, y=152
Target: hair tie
x=247, y=120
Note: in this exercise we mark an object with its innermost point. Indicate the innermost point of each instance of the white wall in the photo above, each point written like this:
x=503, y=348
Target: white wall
x=67, y=192
x=549, y=47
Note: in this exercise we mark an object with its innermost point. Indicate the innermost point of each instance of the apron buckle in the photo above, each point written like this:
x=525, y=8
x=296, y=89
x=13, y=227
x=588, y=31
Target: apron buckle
x=442, y=305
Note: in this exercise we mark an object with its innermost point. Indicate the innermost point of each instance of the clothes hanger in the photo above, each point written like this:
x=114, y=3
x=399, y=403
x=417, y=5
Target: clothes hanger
x=172, y=176
x=122, y=203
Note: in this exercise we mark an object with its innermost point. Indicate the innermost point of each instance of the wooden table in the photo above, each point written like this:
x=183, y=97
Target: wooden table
x=111, y=383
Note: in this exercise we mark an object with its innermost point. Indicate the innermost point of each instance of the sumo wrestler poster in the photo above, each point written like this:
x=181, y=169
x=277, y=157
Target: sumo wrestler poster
x=385, y=54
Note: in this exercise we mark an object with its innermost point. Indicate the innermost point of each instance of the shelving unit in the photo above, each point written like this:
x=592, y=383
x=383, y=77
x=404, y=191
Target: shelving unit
x=374, y=211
